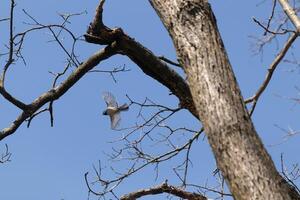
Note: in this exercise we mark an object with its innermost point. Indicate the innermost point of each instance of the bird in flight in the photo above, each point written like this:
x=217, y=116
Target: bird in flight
x=113, y=110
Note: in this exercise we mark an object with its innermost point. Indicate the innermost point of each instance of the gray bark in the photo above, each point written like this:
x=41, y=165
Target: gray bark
x=239, y=152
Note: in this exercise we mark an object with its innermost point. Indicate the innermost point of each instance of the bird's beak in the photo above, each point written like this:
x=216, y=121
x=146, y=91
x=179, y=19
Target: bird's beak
x=104, y=112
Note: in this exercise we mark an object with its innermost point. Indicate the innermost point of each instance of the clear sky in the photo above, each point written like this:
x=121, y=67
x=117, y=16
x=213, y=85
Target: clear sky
x=49, y=162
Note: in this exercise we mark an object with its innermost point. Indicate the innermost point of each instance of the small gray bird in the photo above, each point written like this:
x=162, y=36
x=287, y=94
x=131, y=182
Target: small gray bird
x=113, y=110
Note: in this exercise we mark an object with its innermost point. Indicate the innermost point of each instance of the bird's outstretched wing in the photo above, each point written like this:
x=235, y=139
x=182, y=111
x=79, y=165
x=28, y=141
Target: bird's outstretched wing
x=109, y=99
x=115, y=120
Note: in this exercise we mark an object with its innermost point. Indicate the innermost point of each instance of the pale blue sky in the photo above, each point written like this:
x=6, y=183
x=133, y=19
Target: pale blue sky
x=49, y=162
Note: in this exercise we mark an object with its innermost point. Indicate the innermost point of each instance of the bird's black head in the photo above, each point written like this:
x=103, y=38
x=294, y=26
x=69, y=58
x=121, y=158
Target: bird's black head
x=104, y=112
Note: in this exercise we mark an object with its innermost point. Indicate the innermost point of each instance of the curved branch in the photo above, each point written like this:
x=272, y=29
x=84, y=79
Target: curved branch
x=12, y=99
x=164, y=188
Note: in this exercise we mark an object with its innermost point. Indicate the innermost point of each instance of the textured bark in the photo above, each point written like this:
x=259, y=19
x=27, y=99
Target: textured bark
x=239, y=152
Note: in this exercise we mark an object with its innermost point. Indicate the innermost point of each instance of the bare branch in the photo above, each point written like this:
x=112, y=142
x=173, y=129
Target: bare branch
x=18, y=39
x=267, y=27
x=271, y=16
x=112, y=72
x=4, y=19
x=151, y=65
x=206, y=189
x=271, y=69
x=278, y=30
x=110, y=185
x=10, y=60
x=34, y=115
x=11, y=45
x=59, y=74
x=164, y=188
x=267, y=30
x=57, y=92
x=12, y=99
x=38, y=25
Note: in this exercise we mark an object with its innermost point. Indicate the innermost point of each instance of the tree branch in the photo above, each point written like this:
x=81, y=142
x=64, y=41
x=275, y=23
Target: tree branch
x=271, y=69
x=12, y=99
x=60, y=90
x=150, y=64
x=163, y=188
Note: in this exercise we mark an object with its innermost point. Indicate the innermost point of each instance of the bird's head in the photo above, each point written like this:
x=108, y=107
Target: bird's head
x=104, y=112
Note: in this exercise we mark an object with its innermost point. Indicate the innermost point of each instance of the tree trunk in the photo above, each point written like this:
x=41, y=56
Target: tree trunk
x=239, y=152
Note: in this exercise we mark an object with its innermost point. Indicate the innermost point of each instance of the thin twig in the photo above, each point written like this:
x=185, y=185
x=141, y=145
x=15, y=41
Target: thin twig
x=112, y=72
x=267, y=30
x=11, y=43
x=151, y=160
x=5, y=157
x=271, y=16
x=4, y=19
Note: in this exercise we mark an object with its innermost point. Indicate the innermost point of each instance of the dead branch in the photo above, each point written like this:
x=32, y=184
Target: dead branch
x=164, y=188
x=151, y=65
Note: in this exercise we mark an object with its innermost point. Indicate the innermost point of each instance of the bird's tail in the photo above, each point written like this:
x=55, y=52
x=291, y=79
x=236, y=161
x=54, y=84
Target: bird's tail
x=124, y=107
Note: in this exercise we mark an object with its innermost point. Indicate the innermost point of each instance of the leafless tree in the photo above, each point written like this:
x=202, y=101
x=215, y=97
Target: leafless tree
x=210, y=93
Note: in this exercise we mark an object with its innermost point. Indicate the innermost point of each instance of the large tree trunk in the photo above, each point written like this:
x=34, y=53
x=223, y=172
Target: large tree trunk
x=239, y=152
